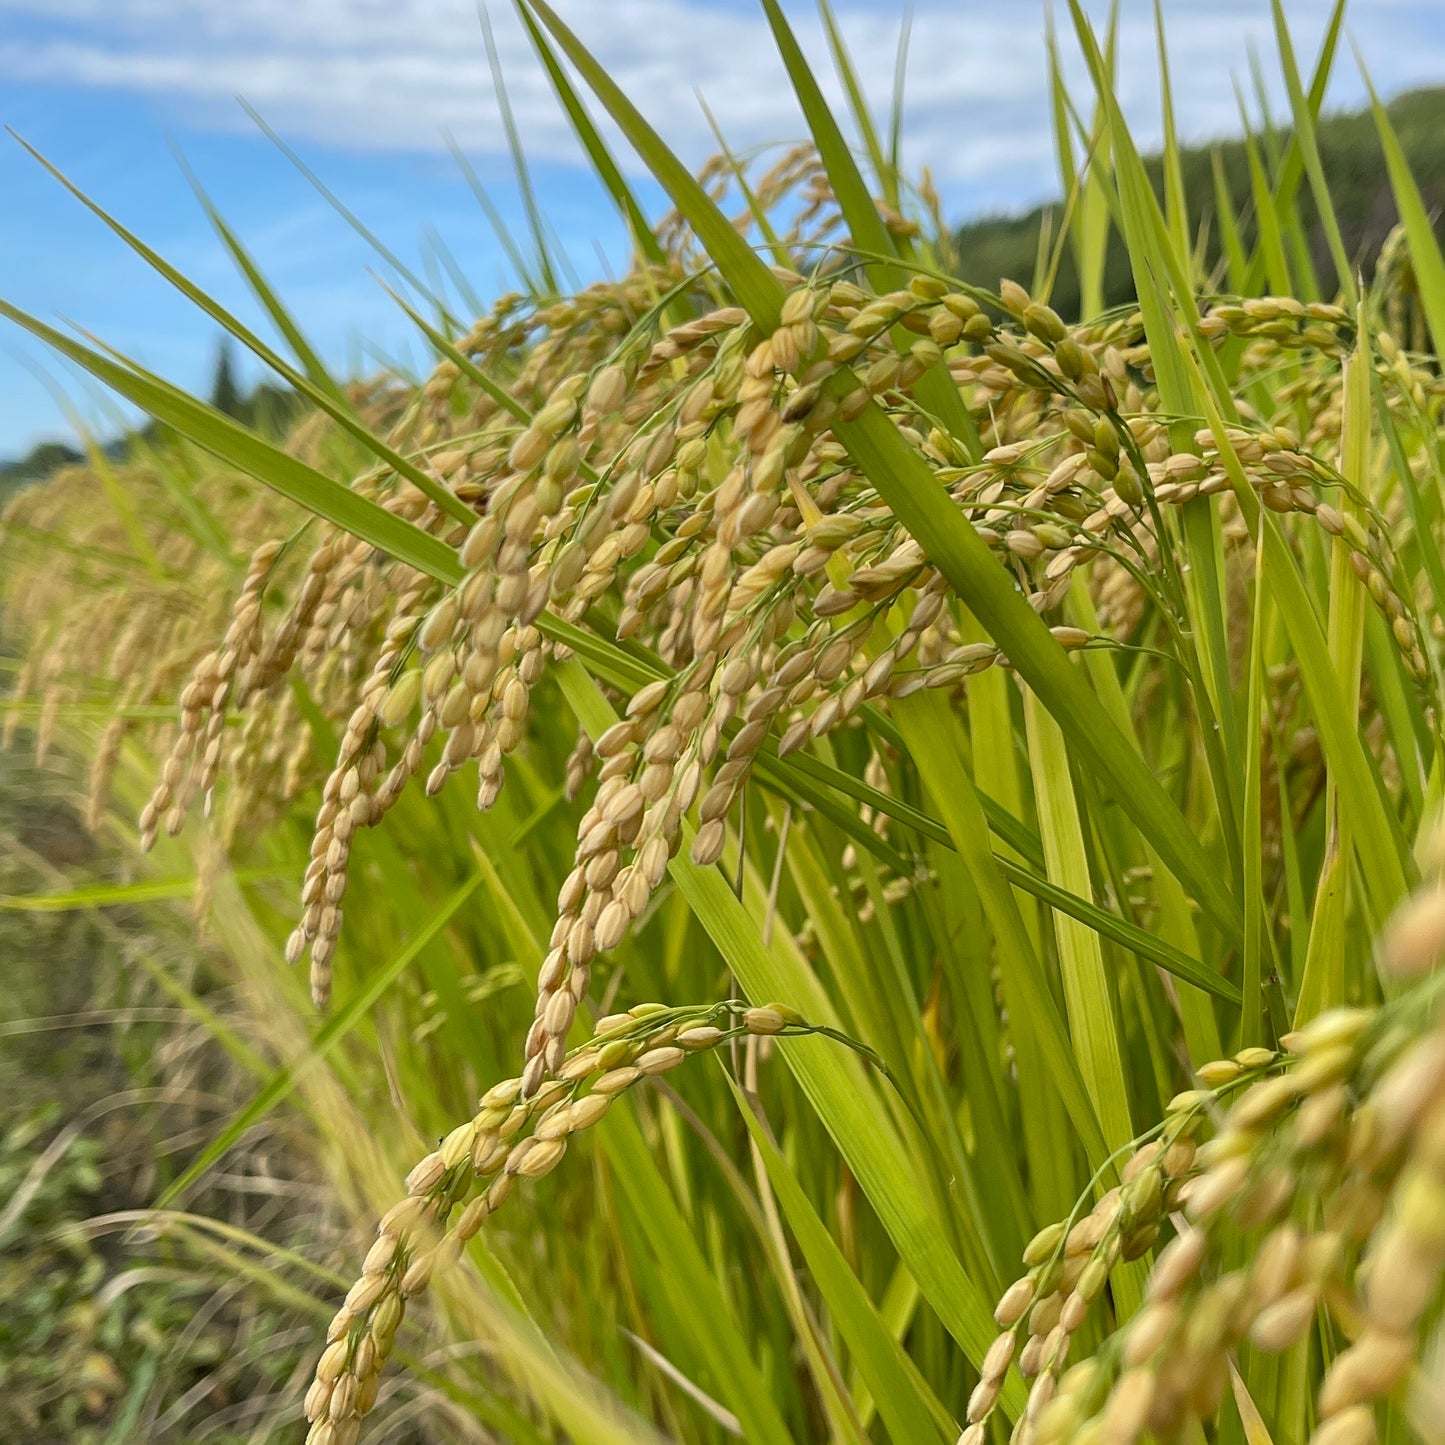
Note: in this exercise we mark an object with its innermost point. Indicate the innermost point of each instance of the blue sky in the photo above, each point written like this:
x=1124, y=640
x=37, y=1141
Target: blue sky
x=369, y=90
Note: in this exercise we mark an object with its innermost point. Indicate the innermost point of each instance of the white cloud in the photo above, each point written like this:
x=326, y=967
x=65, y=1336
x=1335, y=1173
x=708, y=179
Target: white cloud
x=398, y=75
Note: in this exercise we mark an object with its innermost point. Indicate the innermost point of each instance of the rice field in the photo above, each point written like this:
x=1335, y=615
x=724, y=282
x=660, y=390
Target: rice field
x=799, y=846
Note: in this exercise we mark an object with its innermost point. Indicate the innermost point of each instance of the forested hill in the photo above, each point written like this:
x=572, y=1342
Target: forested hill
x=997, y=246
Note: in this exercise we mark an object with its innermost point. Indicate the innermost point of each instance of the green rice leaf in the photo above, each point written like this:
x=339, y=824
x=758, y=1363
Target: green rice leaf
x=883, y=169
x=696, y=1294
x=276, y=1089
x=311, y=362
x=1425, y=254
x=1087, y=997
x=546, y=272
x=1304, y=137
x=323, y=394
x=598, y=155
x=256, y=457
x=908, y=1406
x=113, y=895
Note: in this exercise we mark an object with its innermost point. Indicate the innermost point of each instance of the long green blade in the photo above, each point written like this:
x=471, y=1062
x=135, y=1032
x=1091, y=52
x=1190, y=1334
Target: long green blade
x=323, y=395
x=908, y=1407
x=275, y=1090
x=233, y=443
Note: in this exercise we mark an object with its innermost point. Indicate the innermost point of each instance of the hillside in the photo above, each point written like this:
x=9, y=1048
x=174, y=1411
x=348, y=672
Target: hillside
x=997, y=246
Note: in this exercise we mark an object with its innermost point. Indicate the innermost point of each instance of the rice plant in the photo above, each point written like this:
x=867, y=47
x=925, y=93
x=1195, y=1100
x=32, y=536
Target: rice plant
x=948, y=849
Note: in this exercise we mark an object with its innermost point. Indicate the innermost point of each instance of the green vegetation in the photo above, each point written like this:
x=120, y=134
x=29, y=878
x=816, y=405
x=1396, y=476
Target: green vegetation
x=864, y=849
x=38, y=462
x=110, y=1336
x=1350, y=156
x=266, y=407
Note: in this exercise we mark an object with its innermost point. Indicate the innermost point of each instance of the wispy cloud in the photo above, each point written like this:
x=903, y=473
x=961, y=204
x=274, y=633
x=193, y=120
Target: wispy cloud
x=398, y=75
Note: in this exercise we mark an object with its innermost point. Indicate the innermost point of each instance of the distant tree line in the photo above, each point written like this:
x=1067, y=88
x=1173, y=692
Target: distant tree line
x=265, y=407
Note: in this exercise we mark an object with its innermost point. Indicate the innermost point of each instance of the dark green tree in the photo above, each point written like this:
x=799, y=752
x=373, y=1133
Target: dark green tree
x=225, y=394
